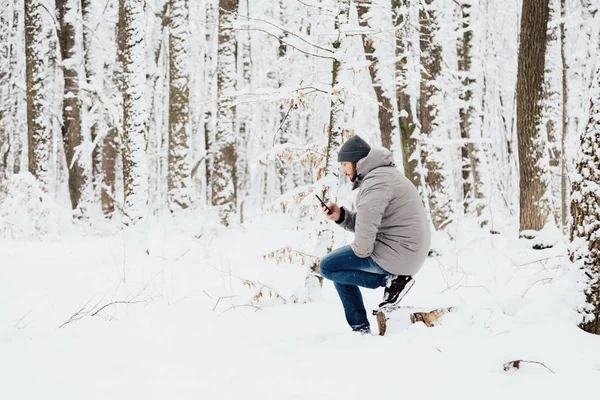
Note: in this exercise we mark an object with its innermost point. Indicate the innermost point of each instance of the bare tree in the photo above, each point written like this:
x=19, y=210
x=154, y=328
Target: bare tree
x=133, y=60
x=78, y=167
x=92, y=104
x=564, y=186
x=39, y=124
x=406, y=117
x=179, y=180
x=552, y=105
x=470, y=151
x=533, y=157
x=224, y=174
x=211, y=23
x=337, y=98
x=385, y=112
x=431, y=64
x=585, y=232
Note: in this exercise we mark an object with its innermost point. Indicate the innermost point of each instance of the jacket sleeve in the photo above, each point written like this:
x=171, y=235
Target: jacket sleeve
x=374, y=199
x=348, y=219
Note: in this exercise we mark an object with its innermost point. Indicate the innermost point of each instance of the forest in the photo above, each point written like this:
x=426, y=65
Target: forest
x=119, y=118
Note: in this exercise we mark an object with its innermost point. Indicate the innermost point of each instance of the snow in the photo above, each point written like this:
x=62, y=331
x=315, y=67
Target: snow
x=193, y=330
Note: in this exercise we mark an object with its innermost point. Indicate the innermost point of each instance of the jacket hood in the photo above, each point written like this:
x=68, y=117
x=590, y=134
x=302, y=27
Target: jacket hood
x=377, y=157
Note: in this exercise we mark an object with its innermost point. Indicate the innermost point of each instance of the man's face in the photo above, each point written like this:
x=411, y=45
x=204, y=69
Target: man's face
x=349, y=170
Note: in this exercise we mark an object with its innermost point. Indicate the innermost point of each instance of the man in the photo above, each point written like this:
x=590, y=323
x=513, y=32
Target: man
x=391, y=232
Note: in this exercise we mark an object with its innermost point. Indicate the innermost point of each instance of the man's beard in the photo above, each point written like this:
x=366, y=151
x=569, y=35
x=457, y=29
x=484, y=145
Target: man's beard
x=353, y=177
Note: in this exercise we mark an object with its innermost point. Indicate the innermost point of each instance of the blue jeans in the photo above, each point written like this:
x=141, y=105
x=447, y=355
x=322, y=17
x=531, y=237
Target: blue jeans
x=348, y=272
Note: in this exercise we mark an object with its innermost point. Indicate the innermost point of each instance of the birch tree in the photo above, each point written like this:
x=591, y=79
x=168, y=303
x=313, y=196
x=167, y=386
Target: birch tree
x=78, y=166
x=585, y=210
x=533, y=156
x=38, y=74
x=133, y=60
x=179, y=180
x=224, y=174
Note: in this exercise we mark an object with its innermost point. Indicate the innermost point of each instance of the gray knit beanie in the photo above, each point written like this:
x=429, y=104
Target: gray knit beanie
x=353, y=150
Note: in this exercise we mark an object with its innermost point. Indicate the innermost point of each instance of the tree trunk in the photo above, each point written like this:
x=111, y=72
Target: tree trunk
x=334, y=133
x=209, y=75
x=245, y=131
x=281, y=164
x=224, y=174
x=5, y=101
x=470, y=151
x=551, y=105
x=410, y=152
x=18, y=99
x=77, y=164
x=584, y=210
x=179, y=180
x=385, y=112
x=39, y=125
x=132, y=55
x=95, y=108
x=431, y=63
x=563, y=131
x=532, y=148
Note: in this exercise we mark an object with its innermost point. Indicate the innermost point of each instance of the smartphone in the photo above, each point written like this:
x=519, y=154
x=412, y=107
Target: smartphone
x=324, y=205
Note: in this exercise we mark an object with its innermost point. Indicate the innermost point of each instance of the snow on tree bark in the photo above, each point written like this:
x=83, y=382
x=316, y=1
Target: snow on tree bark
x=533, y=155
x=212, y=17
x=411, y=156
x=585, y=210
x=472, y=194
x=94, y=108
x=385, y=111
x=133, y=60
x=39, y=124
x=552, y=104
x=224, y=174
x=336, y=114
x=431, y=64
x=179, y=180
x=113, y=116
x=78, y=162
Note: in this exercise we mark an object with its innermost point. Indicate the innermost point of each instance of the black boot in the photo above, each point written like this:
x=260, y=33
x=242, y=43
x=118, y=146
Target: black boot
x=396, y=288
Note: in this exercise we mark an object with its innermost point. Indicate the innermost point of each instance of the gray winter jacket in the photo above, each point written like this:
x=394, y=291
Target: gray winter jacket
x=389, y=223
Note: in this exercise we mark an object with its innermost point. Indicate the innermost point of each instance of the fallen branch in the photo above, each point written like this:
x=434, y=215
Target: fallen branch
x=516, y=364
x=219, y=299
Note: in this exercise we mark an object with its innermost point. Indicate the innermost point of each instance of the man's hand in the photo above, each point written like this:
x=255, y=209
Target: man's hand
x=335, y=213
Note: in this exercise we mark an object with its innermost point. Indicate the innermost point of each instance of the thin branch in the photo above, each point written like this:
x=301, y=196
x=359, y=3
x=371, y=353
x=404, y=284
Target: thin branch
x=219, y=299
x=256, y=308
x=117, y=302
x=286, y=43
x=515, y=364
x=291, y=33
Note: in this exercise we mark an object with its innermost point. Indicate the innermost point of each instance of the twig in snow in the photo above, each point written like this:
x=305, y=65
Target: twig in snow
x=18, y=323
x=116, y=302
x=256, y=308
x=219, y=299
x=516, y=364
x=82, y=312
x=535, y=283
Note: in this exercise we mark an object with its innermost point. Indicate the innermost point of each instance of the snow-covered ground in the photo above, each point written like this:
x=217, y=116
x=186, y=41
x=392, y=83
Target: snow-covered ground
x=191, y=329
